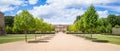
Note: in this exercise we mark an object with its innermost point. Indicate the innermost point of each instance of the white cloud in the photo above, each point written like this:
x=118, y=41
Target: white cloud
x=19, y=11
x=33, y=1
x=79, y=2
x=103, y=13
x=111, y=8
x=5, y=4
x=64, y=16
x=56, y=15
x=65, y=12
x=60, y=11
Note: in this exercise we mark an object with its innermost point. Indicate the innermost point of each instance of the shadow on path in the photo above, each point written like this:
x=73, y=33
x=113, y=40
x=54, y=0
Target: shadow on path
x=44, y=39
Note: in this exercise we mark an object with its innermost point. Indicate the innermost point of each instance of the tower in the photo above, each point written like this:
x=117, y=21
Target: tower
x=2, y=24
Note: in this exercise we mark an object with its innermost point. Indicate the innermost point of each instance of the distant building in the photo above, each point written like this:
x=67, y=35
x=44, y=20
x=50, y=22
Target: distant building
x=60, y=27
x=2, y=24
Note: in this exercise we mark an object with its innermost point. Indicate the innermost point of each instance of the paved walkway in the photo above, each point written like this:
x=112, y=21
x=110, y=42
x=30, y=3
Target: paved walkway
x=60, y=42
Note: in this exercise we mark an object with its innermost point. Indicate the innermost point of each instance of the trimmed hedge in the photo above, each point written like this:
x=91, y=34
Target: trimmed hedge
x=96, y=40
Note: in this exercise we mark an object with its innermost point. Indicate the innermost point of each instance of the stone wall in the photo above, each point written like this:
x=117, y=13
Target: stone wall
x=2, y=24
x=116, y=31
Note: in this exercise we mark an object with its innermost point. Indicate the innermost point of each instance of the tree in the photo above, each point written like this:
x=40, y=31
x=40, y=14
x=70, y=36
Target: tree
x=80, y=25
x=9, y=23
x=9, y=20
x=109, y=28
x=47, y=27
x=72, y=28
x=90, y=20
x=112, y=19
x=78, y=18
x=8, y=29
x=101, y=24
x=38, y=23
x=118, y=20
x=24, y=21
x=117, y=26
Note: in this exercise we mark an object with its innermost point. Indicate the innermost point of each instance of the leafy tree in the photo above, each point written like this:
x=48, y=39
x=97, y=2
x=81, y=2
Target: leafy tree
x=47, y=27
x=80, y=25
x=72, y=28
x=38, y=23
x=118, y=20
x=24, y=21
x=78, y=18
x=109, y=28
x=8, y=29
x=112, y=19
x=9, y=20
x=90, y=19
x=117, y=26
x=9, y=23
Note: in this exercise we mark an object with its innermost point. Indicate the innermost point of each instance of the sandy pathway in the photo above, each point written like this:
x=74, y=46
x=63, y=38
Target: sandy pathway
x=60, y=42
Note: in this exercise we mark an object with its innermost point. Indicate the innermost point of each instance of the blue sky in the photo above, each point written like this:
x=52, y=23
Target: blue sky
x=59, y=11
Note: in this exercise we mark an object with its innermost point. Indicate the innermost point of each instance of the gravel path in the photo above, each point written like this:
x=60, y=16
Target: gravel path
x=60, y=42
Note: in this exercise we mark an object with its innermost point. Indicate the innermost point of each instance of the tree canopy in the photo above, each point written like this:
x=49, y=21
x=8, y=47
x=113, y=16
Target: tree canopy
x=90, y=22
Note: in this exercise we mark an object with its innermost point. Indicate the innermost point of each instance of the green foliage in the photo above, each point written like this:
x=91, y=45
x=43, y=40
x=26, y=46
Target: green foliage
x=24, y=21
x=100, y=29
x=87, y=22
x=47, y=27
x=113, y=20
x=72, y=28
x=9, y=20
x=8, y=29
x=90, y=19
x=109, y=28
x=90, y=23
x=78, y=18
x=117, y=26
x=9, y=23
x=103, y=26
x=38, y=24
x=80, y=25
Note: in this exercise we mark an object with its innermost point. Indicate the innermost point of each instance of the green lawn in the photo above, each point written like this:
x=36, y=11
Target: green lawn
x=114, y=39
x=16, y=37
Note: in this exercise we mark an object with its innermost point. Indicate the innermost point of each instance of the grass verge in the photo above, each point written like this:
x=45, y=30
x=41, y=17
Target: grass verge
x=16, y=37
x=114, y=39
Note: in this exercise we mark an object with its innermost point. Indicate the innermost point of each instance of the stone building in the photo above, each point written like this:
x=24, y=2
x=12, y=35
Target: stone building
x=60, y=27
x=2, y=24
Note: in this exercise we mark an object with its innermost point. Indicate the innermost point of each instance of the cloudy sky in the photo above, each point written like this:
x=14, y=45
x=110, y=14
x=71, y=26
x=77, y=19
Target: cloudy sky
x=59, y=11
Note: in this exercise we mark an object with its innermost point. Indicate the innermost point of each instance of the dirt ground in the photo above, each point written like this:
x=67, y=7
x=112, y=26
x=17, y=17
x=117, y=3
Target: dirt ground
x=60, y=42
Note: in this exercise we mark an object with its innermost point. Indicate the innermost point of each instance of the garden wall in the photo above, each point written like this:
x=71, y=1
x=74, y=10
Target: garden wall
x=116, y=31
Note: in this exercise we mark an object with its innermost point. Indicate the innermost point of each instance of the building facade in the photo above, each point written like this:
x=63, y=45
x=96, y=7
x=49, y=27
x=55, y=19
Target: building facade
x=2, y=24
x=60, y=27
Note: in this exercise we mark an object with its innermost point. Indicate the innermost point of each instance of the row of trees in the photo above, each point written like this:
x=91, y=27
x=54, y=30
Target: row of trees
x=24, y=22
x=90, y=22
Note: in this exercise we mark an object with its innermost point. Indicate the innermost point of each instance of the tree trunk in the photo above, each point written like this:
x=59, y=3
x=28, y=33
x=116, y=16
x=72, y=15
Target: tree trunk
x=25, y=36
x=91, y=35
x=35, y=36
